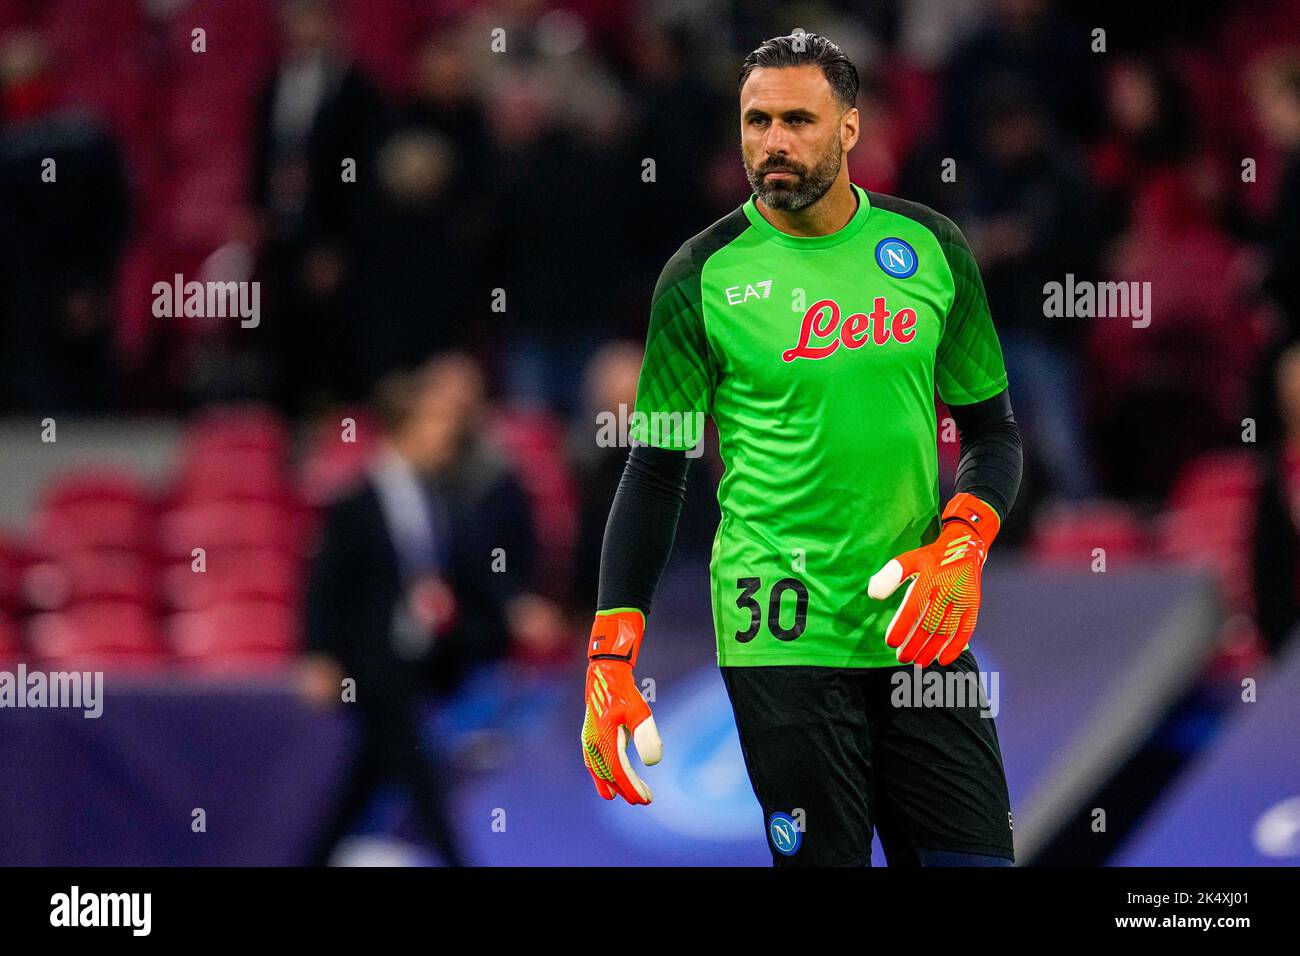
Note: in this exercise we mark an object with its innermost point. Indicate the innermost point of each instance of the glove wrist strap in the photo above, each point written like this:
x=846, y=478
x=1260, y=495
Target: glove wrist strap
x=980, y=516
x=616, y=635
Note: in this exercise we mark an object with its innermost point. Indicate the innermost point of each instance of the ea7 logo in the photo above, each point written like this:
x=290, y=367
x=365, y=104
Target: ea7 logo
x=755, y=290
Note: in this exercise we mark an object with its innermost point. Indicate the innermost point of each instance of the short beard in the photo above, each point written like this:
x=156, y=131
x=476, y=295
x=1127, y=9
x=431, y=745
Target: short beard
x=811, y=185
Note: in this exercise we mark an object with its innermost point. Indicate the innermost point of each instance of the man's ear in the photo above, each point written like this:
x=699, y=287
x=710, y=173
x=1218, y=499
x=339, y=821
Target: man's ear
x=849, y=128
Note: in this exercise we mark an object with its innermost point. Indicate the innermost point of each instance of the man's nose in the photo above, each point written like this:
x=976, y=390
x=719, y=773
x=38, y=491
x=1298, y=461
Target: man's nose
x=777, y=140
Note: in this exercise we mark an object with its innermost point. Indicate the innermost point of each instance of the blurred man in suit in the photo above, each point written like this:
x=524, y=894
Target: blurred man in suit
x=317, y=109
x=482, y=476
x=400, y=601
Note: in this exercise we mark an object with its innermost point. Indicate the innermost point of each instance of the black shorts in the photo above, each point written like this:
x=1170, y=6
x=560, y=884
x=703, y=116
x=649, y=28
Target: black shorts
x=831, y=756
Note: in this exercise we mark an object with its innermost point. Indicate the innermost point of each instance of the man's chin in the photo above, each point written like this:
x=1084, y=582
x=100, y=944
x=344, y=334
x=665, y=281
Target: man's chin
x=779, y=197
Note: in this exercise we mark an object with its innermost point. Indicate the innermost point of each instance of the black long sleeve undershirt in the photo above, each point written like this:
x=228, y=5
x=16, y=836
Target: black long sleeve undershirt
x=642, y=521
x=641, y=528
x=991, y=459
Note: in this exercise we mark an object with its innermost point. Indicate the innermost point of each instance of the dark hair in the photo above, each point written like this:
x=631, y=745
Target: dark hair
x=804, y=49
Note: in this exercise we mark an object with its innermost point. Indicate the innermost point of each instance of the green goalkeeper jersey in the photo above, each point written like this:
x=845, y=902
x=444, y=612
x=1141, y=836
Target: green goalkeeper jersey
x=818, y=359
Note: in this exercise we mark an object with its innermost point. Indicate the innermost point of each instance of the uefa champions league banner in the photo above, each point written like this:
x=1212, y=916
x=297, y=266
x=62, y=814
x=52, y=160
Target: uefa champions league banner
x=1241, y=798
x=165, y=777
x=1074, y=667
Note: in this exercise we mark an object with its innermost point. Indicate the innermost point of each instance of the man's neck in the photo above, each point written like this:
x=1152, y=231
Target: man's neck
x=829, y=214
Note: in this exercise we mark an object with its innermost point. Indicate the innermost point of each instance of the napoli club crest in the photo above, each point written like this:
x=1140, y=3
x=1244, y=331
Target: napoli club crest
x=896, y=257
x=784, y=833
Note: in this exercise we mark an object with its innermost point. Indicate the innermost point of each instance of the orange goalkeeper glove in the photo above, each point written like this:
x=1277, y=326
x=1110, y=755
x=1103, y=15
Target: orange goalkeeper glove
x=938, y=613
x=615, y=706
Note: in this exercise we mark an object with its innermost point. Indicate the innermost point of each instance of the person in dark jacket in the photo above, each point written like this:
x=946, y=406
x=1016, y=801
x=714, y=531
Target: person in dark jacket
x=488, y=484
x=318, y=113
x=399, y=603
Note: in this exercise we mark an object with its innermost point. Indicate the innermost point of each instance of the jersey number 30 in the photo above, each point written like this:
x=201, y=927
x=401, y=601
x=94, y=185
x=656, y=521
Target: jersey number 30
x=746, y=601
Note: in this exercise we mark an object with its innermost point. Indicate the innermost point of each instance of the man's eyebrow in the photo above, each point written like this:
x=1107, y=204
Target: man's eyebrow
x=799, y=112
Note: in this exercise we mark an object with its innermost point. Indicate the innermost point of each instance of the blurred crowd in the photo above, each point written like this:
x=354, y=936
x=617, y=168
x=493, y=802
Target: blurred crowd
x=502, y=181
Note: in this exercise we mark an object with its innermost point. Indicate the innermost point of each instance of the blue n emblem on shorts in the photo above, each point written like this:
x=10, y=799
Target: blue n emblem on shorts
x=784, y=833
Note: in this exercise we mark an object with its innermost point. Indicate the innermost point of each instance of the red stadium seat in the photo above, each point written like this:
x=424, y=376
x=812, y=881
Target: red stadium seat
x=227, y=475
x=90, y=575
x=1210, y=478
x=98, y=634
x=95, y=486
x=227, y=525
x=234, y=575
x=1210, y=520
x=238, y=428
x=1070, y=533
x=14, y=558
x=87, y=524
x=11, y=648
x=239, y=630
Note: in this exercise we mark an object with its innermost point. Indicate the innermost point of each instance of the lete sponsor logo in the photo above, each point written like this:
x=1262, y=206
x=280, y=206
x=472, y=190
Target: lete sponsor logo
x=822, y=323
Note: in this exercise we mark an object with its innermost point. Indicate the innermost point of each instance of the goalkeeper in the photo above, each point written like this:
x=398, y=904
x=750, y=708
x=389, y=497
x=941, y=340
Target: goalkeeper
x=815, y=324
